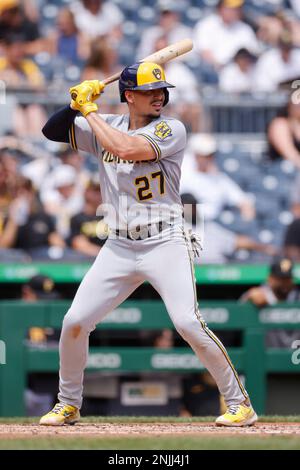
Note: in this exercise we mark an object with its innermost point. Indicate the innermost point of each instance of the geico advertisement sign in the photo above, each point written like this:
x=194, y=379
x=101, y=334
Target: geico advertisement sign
x=124, y=315
x=104, y=361
x=175, y=361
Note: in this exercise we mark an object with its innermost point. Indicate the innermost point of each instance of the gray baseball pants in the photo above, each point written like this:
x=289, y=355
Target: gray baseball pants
x=164, y=260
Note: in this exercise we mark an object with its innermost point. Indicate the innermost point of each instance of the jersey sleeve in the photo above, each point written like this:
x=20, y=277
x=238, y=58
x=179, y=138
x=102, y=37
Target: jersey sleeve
x=167, y=137
x=82, y=137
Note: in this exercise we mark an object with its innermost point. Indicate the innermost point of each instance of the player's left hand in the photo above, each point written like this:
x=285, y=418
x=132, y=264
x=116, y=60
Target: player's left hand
x=86, y=108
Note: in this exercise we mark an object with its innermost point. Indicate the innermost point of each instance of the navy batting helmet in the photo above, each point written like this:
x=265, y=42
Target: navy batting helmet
x=143, y=76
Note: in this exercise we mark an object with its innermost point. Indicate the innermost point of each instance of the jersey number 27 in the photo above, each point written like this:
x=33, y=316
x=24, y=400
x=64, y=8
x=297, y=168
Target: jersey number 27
x=143, y=184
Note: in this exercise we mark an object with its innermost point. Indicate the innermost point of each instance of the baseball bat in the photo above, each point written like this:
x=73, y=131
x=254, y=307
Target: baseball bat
x=160, y=57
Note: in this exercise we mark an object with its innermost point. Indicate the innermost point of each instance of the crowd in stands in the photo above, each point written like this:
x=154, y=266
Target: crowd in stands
x=49, y=194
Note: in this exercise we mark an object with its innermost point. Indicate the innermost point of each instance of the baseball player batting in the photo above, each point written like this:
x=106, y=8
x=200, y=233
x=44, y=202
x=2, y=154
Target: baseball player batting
x=140, y=155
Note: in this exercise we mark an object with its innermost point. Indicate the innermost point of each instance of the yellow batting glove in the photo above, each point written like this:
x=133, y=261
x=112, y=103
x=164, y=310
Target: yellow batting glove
x=97, y=86
x=86, y=108
x=84, y=95
x=89, y=90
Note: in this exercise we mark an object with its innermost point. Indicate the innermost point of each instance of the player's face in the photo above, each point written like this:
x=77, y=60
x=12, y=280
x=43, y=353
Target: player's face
x=149, y=103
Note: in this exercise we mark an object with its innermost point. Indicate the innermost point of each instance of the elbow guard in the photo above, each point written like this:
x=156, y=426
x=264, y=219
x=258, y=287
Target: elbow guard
x=58, y=126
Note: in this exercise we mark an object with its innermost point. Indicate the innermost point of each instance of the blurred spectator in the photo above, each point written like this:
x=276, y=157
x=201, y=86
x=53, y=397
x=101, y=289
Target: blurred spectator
x=205, y=190
x=295, y=197
x=31, y=10
x=9, y=170
x=277, y=65
x=291, y=23
x=21, y=147
x=27, y=226
x=68, y=156
x=279, y=287
x=103, y=62
x=185, y=99
x=98, y=18
x=15, y=152
x=291, y=242
x=200, y=396
x=39, y=287
x=39, y=169
x=284, y=135
x=9, y=181
x=269, y=29
x=14, y=20
x=210, y=186
x=67, y=42
x=169, y=25
x=65, y=157
x=219, y=244
x=237, y=76
x=165, y=340
x=8, y=191
x=220, y=35
x=62, y=197
x=88, y=231
x=19, y=72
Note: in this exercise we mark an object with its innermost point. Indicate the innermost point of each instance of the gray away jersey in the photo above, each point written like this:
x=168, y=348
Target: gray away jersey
x=137, y=193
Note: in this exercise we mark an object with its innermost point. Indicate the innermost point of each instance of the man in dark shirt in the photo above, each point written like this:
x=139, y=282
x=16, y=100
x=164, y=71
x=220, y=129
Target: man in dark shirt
x=14, y=21
x=292, y=241
x=88, y=231
x=27, y=226
x=35, y=232
x=279, y=287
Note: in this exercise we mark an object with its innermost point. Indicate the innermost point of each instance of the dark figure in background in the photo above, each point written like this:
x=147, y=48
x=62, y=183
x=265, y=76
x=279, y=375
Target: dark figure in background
x=284, y=135
x=27, y=226
x=279, y=287
x=200, y=396
x=40, y=287
x=14, y=20
x=37, y=395
x=88, y=231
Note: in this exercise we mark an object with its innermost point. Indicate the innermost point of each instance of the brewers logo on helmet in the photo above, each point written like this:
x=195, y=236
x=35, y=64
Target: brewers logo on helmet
x=143, y=76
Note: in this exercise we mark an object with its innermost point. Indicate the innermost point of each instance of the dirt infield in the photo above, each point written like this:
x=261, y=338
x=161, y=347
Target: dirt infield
x=14, y=431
